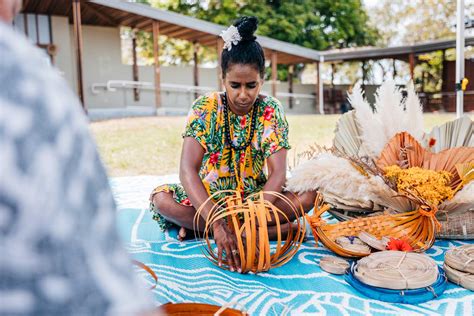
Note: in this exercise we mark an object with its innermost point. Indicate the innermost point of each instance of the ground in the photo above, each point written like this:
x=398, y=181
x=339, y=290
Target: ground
x=152, y=145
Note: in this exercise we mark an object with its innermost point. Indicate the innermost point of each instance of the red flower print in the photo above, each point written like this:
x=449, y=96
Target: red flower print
x=399, y=244
x=243, y=121
x=214, y=158
x=242, y=157
x=432, y=142
x=186, y=202
x=273, y=148
x=268, y=113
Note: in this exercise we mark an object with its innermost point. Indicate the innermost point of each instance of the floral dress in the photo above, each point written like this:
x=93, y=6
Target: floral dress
x=223, y=167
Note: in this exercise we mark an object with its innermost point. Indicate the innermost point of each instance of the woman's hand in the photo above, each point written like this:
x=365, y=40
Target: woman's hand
x=226, y=242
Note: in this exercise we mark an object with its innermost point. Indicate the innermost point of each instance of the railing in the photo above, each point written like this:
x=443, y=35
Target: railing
x=112, y=86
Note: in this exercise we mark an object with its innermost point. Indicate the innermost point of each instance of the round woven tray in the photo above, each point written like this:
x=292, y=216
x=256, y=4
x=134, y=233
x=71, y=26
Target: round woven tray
x=461, y=258
x=415, y=296
x=396, y=270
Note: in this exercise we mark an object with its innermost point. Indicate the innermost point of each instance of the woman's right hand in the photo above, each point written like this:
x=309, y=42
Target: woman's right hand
x=226, y=242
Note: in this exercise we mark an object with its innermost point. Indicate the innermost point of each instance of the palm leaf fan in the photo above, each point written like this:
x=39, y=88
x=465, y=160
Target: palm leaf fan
x=455, y=133
x=402, y=150
x=347, y=137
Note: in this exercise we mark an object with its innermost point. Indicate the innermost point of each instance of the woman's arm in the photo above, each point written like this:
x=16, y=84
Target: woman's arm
x=191, y=160
x=276, y=164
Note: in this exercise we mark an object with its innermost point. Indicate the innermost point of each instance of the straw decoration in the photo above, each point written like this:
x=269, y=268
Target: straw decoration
x=249, y=220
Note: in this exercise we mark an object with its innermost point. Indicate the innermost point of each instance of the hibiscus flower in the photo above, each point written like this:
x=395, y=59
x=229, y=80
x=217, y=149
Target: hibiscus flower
x=268, y=113
x=399, y=244
x=186, y=202
x=214, y=158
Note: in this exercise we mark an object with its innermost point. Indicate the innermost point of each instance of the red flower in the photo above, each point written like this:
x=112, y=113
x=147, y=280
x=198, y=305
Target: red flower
x=268, y=113
x=214, y=158
x=432, y=142
x=242, y=157
x=243, y=121
x=273, y=148
x=399, y=244
x=186, y=202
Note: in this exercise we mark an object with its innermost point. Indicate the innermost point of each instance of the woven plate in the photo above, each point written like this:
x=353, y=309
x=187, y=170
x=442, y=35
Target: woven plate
x=372, y=241
x=397, y=270
x=334, y=265
x=416, y=296
x=466, y=280
x=461, y=258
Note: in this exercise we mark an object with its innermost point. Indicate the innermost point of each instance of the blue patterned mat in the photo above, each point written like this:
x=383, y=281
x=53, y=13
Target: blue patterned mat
x=298, y=288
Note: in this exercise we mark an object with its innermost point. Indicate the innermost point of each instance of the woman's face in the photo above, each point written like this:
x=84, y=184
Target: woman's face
x=242, y=83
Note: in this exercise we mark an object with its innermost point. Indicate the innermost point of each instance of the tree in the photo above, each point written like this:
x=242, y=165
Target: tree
x=402, y=22
x=316, y=24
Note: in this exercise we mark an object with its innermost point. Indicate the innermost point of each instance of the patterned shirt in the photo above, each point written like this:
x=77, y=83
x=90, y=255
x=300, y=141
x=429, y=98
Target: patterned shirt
x=205, y=123
x=59, y=250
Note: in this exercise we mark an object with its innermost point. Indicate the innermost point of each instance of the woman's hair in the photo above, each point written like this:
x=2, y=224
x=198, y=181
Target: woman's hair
x=247, y=51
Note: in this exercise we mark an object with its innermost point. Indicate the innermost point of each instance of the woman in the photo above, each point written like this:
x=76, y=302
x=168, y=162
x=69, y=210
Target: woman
x=229, y=139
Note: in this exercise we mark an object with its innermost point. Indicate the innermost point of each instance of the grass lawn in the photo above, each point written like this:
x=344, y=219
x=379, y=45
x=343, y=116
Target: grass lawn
x=152, y=145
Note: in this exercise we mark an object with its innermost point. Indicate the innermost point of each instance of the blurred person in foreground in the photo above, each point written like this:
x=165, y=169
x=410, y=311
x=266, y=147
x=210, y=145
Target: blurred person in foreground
x=59, y=251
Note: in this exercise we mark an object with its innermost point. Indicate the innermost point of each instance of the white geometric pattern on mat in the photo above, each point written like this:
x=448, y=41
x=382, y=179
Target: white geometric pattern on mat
x=300, y=286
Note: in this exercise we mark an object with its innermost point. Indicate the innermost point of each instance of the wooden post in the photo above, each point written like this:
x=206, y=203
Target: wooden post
x=136, y=92
x=333, y=92
x=290, y=85
x=364, y=74
x=274, y=62
x=156, y=56
x=411, y=58
x=220, y=47
x=76, y=12
x=196, y=68
x=394, y=66
x=316, y=85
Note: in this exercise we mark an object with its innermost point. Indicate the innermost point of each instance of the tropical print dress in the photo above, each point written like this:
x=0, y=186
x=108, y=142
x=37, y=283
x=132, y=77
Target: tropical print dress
x=222, y=167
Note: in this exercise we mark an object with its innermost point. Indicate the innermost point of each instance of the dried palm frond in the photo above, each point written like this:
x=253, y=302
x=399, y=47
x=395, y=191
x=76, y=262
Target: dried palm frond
x=249, y=220
x=347, y=137
x=402, y=150
x=452, y=134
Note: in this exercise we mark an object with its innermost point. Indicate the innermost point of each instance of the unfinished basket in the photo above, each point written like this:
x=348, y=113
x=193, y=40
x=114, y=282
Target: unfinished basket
x=416, y=227
x=248, y=219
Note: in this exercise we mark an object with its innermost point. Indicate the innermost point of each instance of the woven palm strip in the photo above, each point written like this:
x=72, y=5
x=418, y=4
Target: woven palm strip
x=252, y=232
x=461, y=258
x=397, y=270
x=416, y=227
x=466, y=280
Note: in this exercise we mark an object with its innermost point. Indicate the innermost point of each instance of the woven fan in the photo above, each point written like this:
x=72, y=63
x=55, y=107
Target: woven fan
x=248, y=219
x=416, y=227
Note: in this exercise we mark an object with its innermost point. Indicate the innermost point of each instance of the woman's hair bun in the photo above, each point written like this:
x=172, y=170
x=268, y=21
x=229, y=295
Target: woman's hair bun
x=247, y=25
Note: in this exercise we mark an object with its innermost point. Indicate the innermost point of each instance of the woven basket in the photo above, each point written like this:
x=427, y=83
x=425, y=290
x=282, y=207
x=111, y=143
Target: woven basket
x=251, y=218
x=184, y=309
x=416, y=227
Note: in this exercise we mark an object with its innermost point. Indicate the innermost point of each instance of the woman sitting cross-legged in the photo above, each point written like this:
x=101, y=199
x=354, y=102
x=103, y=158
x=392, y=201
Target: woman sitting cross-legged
x=235, y=140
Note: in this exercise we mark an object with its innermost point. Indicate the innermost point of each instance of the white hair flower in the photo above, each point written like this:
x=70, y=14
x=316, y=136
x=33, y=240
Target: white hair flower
x=231, y=37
